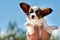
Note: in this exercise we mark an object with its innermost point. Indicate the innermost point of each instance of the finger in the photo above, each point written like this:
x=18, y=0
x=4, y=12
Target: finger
x=36, y=27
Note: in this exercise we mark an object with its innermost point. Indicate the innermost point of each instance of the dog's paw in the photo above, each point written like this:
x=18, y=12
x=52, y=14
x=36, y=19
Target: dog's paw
x=28, y=24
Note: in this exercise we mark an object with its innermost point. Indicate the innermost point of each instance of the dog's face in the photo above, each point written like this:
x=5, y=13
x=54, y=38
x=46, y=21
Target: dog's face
x=34, y=12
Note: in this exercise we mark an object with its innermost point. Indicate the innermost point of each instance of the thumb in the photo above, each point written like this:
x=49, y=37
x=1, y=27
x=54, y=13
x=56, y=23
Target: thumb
x=36, y=27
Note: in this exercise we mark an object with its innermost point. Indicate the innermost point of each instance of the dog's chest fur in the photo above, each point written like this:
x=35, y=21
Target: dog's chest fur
x=39, y=22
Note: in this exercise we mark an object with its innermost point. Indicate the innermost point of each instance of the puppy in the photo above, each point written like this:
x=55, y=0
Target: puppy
x=35, y=16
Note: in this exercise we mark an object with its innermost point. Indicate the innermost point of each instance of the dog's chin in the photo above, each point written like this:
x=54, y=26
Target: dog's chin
x=35, y=18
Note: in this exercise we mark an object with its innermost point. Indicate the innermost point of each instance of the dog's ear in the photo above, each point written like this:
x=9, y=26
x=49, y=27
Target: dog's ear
x=25, y=7
x=47, y=11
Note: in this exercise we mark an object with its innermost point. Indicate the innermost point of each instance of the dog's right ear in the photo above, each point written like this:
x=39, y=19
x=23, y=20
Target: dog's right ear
x=25, y=7
x=47, y=11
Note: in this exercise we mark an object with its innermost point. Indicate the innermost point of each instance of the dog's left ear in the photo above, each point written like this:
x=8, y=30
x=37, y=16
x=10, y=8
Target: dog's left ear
x=47, y=11
x=25, y=7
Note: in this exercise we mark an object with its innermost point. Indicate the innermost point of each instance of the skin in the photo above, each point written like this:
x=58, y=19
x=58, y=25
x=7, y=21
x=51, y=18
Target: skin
x=35, y=36
x=44, y=34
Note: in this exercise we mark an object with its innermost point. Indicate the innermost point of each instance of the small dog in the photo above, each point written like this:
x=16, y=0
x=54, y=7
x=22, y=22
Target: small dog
x=35, y=16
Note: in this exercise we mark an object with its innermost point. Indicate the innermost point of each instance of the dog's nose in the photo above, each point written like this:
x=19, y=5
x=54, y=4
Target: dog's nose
x=33, y=16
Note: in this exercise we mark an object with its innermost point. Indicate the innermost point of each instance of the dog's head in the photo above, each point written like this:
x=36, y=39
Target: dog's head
x=34, y=12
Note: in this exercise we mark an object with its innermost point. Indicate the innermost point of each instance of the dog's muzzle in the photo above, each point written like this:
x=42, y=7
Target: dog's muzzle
x=33, y=16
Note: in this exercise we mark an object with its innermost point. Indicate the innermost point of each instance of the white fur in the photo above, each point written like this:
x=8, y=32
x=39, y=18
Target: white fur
x=55, y=35
x=34, y=8
x=39, y=22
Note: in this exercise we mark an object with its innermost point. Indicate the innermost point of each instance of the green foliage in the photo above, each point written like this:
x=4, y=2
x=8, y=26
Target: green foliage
x=0, y=38
x=14, y=32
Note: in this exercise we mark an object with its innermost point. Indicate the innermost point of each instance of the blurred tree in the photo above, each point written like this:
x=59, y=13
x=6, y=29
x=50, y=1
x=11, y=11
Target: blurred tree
x=0, y=34
x=14, y=32
x=0, y=38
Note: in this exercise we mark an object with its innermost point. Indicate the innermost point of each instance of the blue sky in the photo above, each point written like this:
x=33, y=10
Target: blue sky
x=10, y=11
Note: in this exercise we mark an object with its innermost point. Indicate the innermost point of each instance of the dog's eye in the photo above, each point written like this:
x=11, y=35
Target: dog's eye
x=38, y=12
x=31, y=11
